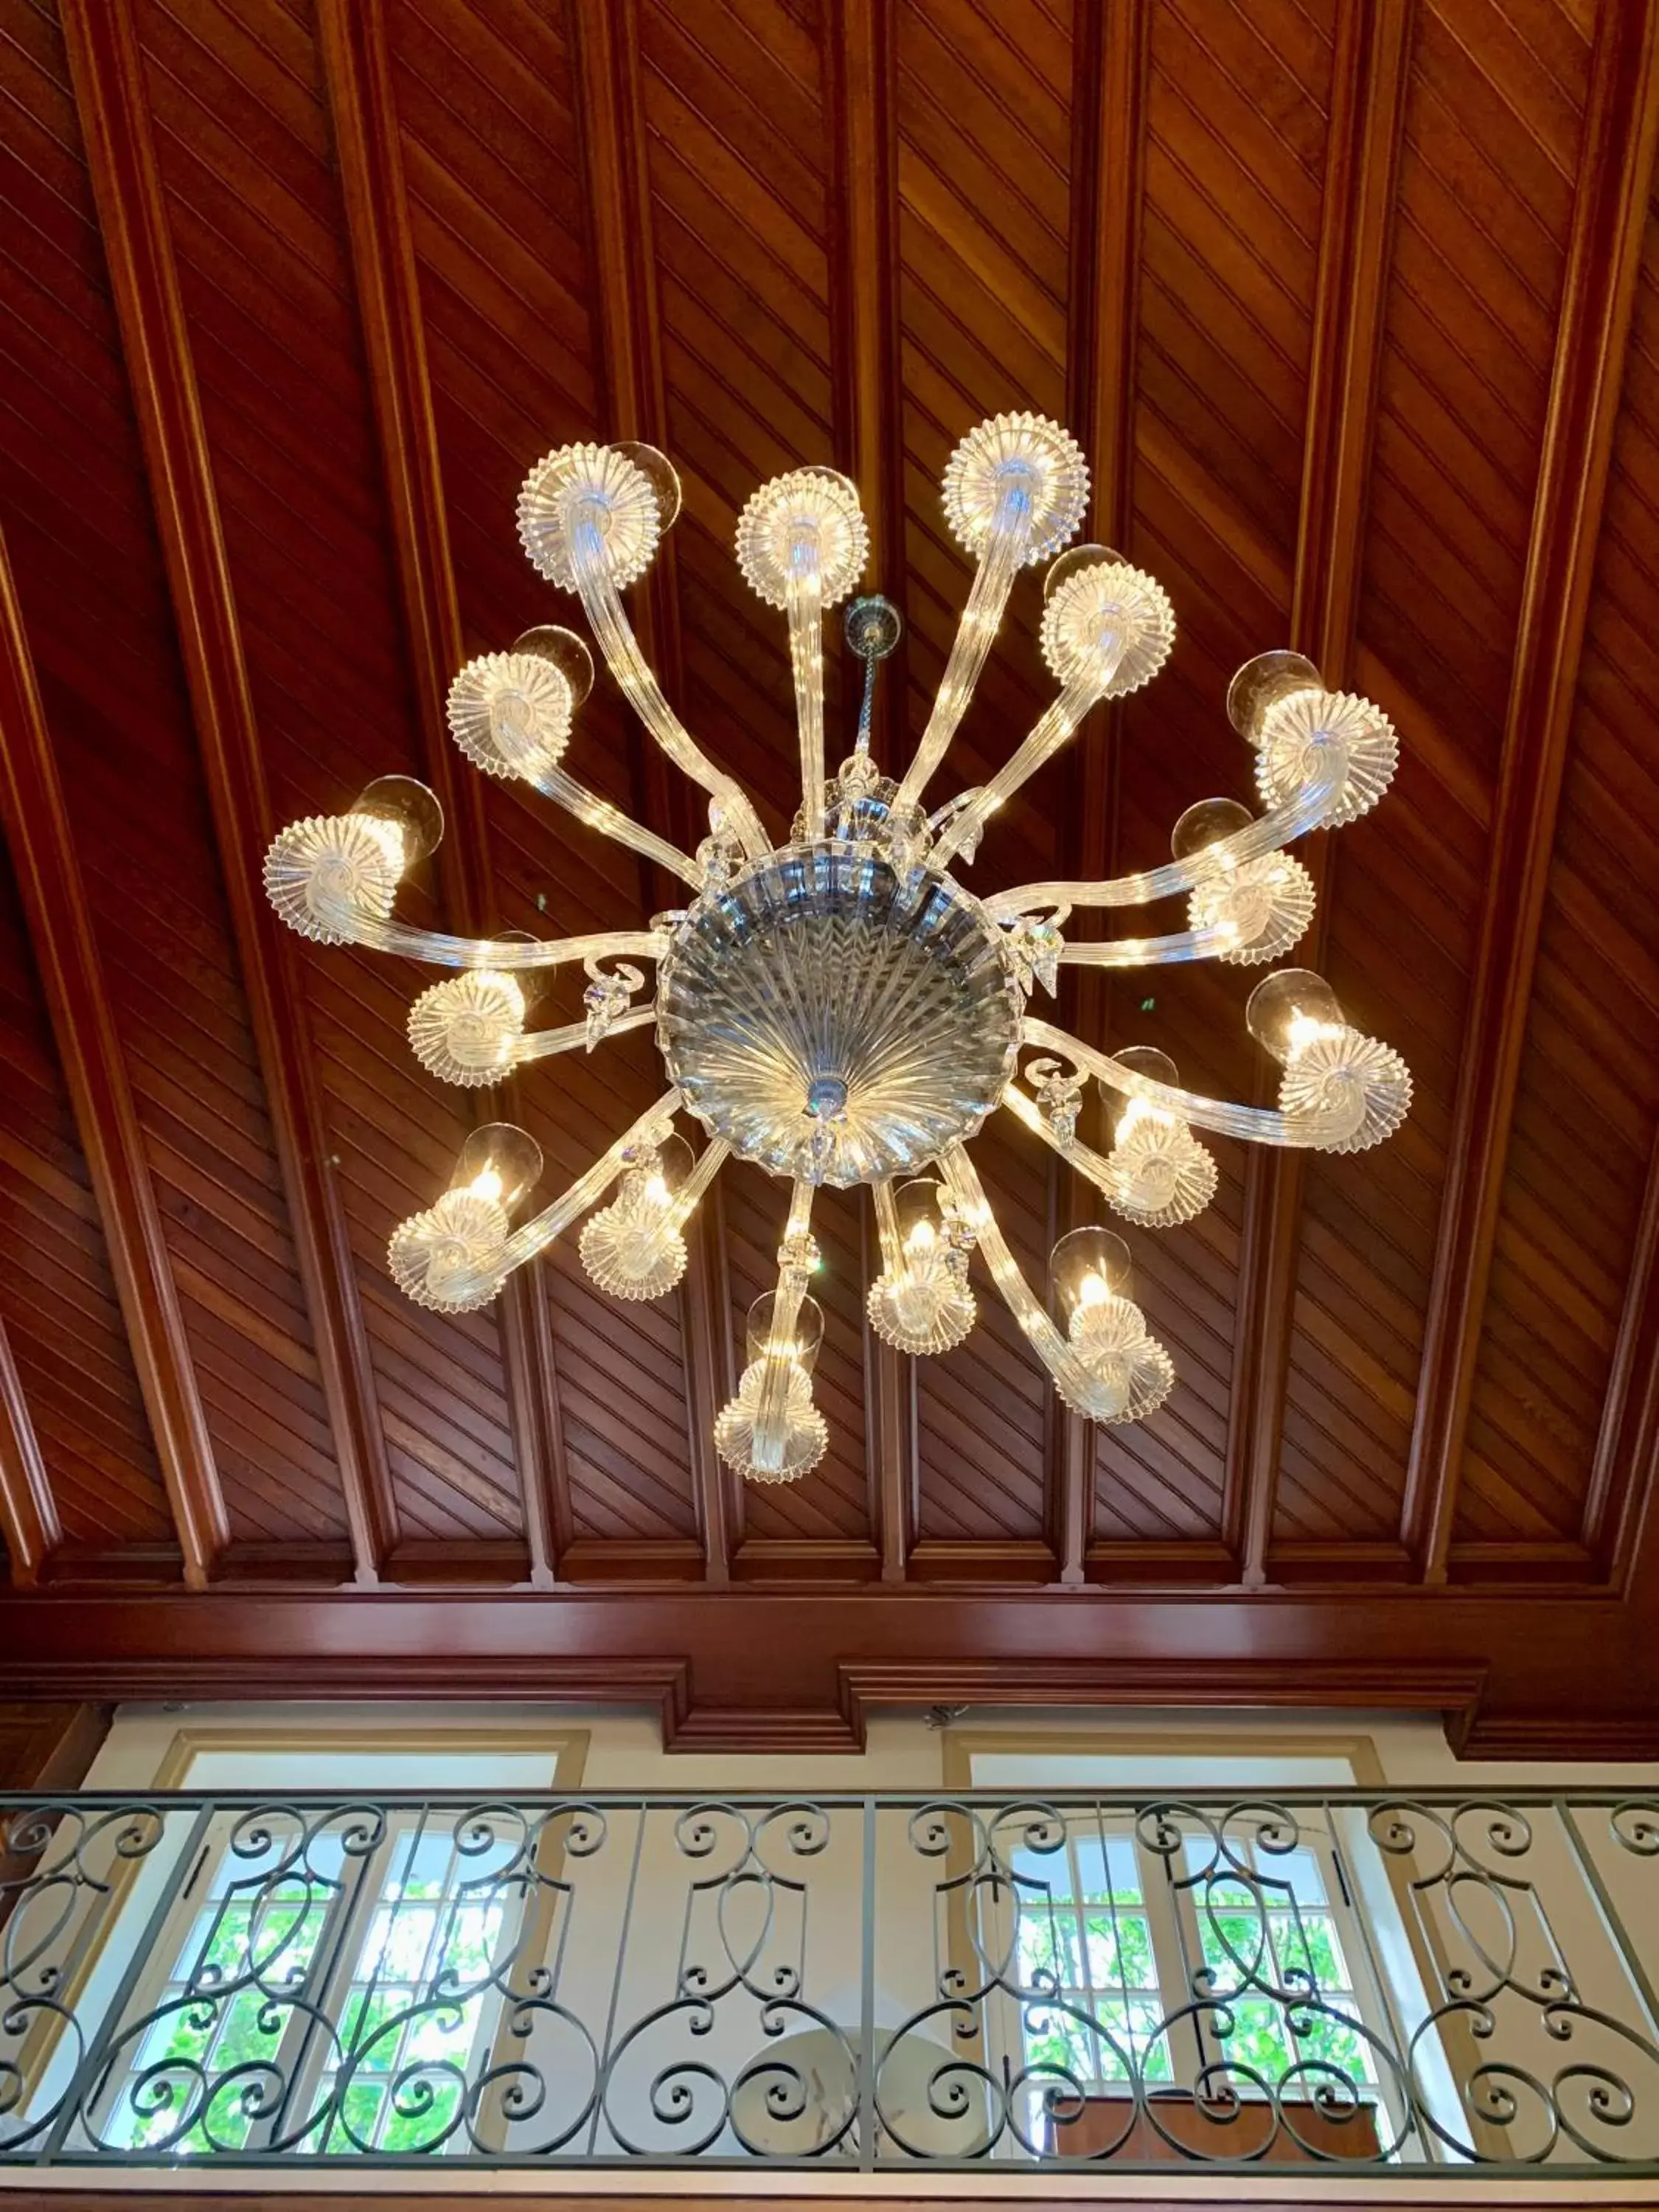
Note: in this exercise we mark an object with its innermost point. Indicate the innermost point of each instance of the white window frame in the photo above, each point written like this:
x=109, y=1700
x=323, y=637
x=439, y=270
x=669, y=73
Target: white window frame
x=560, y=1753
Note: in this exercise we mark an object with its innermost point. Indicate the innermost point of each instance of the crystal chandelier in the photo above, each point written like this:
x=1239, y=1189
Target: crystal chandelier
x=840, y=1008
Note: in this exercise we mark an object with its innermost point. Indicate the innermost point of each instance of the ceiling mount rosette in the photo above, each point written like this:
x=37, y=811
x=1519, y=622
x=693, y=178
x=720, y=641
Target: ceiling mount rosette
x=837, y=1007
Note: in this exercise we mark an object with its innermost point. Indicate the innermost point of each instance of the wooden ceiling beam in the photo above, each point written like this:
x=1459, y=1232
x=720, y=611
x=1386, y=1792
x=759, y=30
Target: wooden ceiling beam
x=1108, y=136
x=107, y=73
x=1610, y=214
x=1369, y=81
x=605, y=36
x=1626, y=1463
x=867, y=400
x=28, y=1513
x=866, y=378
x=59, y=921
x=357, y=72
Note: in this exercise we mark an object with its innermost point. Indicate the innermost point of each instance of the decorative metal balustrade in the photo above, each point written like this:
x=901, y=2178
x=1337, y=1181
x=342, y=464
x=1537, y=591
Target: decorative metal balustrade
x=1384, y=1982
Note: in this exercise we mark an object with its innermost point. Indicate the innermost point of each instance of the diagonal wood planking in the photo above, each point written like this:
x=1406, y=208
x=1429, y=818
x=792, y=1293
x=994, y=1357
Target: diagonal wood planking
x=606, y=43
x=356, y=71
x=1371, y=65
x=110, y=91
x=49, y=874
x=1609, y=219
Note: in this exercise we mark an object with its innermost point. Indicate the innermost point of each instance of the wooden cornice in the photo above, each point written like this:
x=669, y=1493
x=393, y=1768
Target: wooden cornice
x=107, y=71
x=28, y=1516
x=48, y=871
x=357, y=72
x=1109, y=152
x=1609, y=226
x=622, y=260
x=1370, y=70
x=772, y=1667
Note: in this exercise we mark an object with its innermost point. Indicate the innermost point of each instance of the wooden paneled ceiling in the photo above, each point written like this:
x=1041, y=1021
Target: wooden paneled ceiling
x=1355, y=306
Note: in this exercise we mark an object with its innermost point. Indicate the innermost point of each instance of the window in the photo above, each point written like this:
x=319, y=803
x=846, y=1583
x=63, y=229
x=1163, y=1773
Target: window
x=1183, y=1961
x=330, y=1982
x=305, y=1983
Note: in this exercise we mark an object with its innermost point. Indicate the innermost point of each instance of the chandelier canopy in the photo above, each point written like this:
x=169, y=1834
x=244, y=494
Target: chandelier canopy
x=840, y=1008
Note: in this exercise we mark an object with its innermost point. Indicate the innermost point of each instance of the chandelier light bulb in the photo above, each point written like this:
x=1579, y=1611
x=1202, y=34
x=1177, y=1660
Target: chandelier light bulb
x=499, y=1161
x=837, y=1009
x=1086, y=1268
x=633, y=1247
x=1255, y=910
x=1289, y=1009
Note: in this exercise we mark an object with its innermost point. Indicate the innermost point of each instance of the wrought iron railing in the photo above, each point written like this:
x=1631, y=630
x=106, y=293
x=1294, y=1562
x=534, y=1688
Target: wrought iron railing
x=1382, y=1981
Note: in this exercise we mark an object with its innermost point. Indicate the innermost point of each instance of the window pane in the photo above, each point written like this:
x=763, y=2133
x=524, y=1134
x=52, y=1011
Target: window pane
x=1055, y=2040
x=1040, y=1876
x=1335, y=2042
x=1257, y=2037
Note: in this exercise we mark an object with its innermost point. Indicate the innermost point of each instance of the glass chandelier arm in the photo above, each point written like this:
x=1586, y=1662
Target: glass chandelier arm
x=505, y=954
x=1152, y=952
x=994, y=579
x=1049, y=735
x=710, y=1160
x=1270, y=834
x=1257, y=1125
x=548, y=1044
x=796, y=1258
x=537, y=1234
x=610, y=822
x=806, y=661
x=601, y=603
x=1082, y=1156
x=1041, y=1332
x=887, y=1228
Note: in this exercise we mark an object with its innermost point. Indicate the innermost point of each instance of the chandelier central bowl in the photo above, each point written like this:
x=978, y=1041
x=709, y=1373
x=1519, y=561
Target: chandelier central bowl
x=835, y=1019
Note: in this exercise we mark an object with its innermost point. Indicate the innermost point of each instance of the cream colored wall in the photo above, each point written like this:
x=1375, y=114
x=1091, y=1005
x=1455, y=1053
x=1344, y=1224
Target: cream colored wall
x=1032, y=1751
x=625, y=1749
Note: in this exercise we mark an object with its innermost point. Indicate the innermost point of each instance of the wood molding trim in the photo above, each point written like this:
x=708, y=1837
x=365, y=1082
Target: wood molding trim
x=868, y=408
x=48, y=871
x=1609, y=224
x=357, y=73
x=1369, y=74
x=622, y=257
x=1108, y=156
x=107, y=71
x=859, y=73
x=1626, y=1460
x=1521, y=1652
x=28, y=1513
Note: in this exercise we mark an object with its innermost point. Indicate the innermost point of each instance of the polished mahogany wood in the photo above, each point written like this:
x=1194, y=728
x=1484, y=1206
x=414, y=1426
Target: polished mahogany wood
x=108, y=68
x=28, y=1513
x=1368, y=107
x=49, y=878
x=1610, y=229
x=1353, y=305
x=362, y=109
